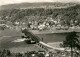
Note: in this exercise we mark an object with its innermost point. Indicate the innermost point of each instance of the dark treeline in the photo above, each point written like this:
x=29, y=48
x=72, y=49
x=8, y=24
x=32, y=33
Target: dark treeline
x=7, y=53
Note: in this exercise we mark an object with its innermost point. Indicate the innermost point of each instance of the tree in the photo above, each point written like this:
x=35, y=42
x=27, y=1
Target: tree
x=40, y=55
x=72, y=41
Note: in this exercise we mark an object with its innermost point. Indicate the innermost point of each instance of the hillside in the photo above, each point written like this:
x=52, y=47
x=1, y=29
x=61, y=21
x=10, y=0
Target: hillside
x=69, y=12
x=37, y=5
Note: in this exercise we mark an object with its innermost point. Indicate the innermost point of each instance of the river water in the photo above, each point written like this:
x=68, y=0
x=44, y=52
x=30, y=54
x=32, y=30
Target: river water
x=53, y=37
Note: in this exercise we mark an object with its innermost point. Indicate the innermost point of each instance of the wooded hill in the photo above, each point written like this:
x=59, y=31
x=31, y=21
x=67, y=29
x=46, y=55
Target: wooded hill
x=71, y=12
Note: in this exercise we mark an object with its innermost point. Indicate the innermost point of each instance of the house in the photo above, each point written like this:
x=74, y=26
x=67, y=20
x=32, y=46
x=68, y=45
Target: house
x=42, y=52
x=41, y=27
x=16, y=23
x=2, y=22
x=47, y=55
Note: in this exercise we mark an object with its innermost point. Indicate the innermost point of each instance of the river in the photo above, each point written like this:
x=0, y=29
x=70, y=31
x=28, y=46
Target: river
x=6, y=42
x=53, y=37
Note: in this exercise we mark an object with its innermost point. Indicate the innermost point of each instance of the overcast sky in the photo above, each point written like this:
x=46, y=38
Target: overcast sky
x=3, y=2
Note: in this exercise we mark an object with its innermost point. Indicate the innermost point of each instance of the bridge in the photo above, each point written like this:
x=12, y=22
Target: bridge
x=31, y=35
x=39, y=42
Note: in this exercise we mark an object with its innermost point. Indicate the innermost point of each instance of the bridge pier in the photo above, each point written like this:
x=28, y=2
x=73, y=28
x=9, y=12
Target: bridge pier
x=42, y=46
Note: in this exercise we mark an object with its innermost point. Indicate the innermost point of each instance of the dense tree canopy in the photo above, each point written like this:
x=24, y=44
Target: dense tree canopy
x=72, y=41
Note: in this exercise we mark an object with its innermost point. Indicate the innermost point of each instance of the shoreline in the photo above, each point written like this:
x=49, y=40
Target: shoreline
x=54, y=44
x=54, y=31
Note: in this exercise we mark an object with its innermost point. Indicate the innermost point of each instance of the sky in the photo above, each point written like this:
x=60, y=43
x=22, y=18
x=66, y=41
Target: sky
x=3, y=2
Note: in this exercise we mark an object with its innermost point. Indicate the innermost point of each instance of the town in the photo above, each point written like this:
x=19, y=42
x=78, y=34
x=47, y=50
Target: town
x=40, y=30
x=47, y=23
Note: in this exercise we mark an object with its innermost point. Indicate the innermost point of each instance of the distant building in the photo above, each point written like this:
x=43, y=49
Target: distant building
x=41, y=27
x=2, y=22
x=17, y=23
x=43, y=52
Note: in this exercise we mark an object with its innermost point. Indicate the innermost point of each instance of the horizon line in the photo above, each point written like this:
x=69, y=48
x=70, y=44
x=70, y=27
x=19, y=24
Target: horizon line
x=39, y=2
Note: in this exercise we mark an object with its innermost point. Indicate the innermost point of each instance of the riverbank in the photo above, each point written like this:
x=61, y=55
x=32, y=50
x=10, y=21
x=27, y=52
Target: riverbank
x=53, y=31
x=55, y=44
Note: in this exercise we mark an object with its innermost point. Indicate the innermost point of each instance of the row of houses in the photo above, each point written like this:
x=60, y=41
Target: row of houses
x=47, y=24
